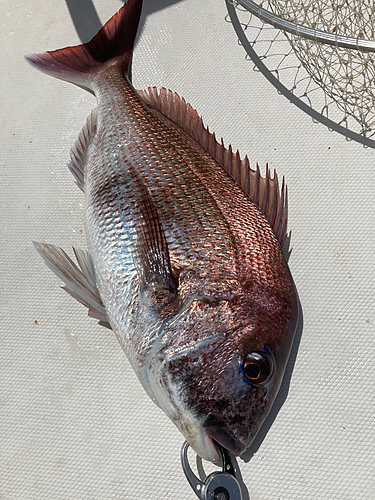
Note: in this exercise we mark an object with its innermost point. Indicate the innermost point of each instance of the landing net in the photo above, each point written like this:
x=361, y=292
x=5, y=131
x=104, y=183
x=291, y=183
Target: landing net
x=337, y=81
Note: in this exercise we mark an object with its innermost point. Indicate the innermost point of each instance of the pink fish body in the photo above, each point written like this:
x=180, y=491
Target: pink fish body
x=184, y=248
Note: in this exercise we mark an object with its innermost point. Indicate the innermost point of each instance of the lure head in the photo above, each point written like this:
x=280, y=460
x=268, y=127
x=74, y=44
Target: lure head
x=220, y=386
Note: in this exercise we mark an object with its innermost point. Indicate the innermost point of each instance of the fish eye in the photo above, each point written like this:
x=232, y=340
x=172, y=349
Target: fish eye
x=257, y=368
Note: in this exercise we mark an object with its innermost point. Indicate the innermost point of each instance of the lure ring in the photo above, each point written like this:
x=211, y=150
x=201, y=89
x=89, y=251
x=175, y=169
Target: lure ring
x=217, y=485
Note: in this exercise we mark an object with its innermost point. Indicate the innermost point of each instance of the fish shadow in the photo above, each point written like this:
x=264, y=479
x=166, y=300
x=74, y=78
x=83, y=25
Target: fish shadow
x=282, y=394
x=87, y=22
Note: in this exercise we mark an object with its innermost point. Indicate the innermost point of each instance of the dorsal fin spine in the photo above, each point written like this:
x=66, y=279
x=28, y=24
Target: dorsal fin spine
x=222, y=152
x=238, y=168
x=257, y=181
x=266, y=191
x=230, y=160
x=214, y=148
x=207, y=138
x=247, y=175
x=273, y=201
x=282, y=233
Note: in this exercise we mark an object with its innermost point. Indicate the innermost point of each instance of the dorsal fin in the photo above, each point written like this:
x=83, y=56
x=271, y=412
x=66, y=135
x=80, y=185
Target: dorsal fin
x=264, y=191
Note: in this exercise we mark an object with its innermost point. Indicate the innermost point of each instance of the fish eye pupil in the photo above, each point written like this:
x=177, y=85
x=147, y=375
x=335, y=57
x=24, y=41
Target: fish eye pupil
x=252, y=371
x=258, y=367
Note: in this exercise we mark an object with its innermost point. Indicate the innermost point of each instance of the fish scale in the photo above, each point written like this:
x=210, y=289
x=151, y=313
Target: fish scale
x=156, y=141
x=198, y=215
x=158, y=175
x=182, y=263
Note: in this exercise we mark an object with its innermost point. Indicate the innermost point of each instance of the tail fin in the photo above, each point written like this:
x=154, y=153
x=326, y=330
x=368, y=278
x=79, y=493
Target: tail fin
x=114, y=41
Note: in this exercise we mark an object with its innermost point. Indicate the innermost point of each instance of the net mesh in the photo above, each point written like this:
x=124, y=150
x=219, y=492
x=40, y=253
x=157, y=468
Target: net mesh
x=346, y=77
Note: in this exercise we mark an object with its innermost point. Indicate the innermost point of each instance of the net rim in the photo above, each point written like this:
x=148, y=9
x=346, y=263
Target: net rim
x=312, y=34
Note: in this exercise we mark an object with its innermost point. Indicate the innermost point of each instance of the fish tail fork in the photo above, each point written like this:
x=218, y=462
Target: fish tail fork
x=78, y=64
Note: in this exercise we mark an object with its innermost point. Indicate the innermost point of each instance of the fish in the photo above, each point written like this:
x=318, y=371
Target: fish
x=184, y=254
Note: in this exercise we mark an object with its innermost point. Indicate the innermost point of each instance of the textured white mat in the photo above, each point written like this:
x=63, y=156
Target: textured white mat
x=74, y=421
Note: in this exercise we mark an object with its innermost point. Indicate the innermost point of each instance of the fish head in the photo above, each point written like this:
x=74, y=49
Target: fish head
x=219, y=372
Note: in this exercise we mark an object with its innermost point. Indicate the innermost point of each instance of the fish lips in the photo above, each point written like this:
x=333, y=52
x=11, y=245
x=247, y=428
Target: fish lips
x=219, y=433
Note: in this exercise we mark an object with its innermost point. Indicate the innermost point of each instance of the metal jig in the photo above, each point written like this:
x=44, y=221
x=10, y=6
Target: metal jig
x=217, y=485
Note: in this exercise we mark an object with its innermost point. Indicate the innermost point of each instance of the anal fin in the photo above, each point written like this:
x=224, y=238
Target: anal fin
x=79, y=153
x=80, y=283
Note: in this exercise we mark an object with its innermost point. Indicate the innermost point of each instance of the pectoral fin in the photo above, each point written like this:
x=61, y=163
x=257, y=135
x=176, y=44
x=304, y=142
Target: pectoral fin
x=158, y=287
x=80, y=282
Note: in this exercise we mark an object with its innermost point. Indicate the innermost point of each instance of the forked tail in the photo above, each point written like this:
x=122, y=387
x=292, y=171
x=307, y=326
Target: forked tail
x=114, y=41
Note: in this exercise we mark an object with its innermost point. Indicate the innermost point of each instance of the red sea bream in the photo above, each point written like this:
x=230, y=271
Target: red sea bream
x=184, y=253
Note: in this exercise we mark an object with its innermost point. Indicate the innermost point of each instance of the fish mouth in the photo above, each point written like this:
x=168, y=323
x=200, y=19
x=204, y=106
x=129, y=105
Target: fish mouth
x=206, y=447
x=215, y=429
x=200, y=441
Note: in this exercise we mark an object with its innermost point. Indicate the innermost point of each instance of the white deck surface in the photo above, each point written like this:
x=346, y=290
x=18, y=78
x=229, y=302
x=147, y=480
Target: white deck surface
x=74, y=420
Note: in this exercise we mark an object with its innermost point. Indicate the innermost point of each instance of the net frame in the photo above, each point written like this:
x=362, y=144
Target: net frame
x=309, y=32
